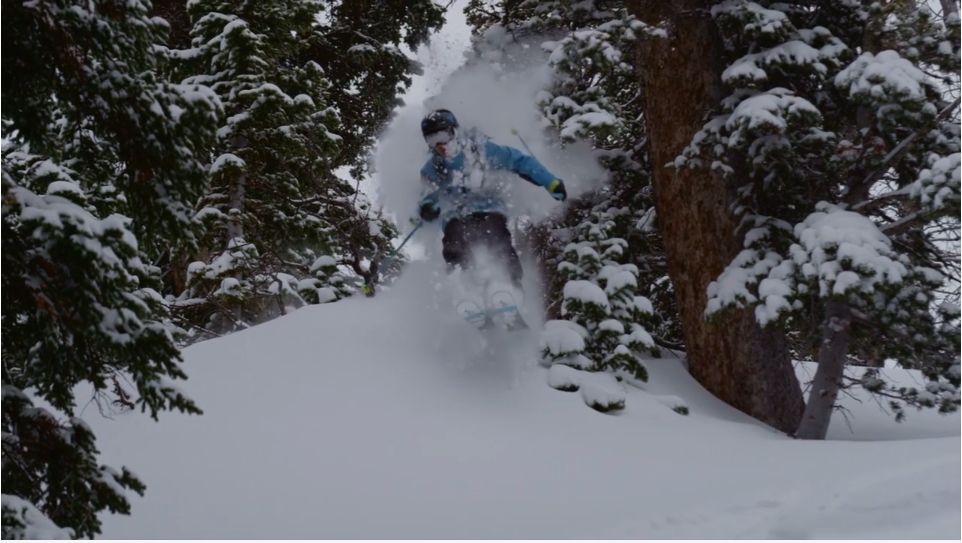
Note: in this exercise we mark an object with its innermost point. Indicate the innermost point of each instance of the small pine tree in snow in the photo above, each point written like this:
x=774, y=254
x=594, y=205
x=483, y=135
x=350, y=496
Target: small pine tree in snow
x=100, y=167
x=846, y=158
x=607, y=317
x=327, y=285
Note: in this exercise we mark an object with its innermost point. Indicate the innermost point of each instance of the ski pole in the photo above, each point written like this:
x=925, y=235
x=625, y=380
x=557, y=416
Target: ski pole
x=392, y=254
x=366, y=288
x=515, y=132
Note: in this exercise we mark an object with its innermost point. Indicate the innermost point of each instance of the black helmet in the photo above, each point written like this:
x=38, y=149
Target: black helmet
x=436, y=121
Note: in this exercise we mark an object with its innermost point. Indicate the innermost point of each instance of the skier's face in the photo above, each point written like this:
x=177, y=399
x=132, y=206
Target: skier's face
x=444, y=143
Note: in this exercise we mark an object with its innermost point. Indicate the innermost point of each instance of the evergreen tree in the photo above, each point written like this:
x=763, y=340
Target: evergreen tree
x=306, y=87
x=272, y=171
x=637, y=115
x=594, y=97
x=746, y=366
x=358, y=43
x=838, y=122
x=600, y=298
x=101, y=161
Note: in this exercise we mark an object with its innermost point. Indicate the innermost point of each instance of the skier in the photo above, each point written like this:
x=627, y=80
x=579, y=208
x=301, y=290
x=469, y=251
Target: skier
x=469, y=204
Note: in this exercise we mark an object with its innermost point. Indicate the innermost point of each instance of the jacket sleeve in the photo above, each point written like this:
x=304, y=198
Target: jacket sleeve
x=429, y=179
x=527, y=167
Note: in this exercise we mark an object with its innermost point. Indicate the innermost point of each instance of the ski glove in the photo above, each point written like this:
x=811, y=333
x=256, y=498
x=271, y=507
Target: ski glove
x=429, y=211
x=557, y=190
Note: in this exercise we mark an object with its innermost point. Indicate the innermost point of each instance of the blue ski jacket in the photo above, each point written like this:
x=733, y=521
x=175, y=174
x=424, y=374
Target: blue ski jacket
x=457, y=185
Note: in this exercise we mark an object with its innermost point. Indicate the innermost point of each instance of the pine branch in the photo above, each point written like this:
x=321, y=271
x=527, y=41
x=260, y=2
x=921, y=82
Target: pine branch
x=855, y=381
x=324, y=199
x=900, y=149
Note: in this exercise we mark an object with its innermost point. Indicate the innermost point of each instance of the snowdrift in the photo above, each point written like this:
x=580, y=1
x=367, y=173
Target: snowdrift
x=387, y=418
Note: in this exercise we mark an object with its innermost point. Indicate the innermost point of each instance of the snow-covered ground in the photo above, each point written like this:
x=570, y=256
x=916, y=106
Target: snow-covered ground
x=385, y=418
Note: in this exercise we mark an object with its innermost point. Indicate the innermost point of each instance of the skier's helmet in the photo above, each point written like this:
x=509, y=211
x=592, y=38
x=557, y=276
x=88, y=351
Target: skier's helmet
x=440, y=131
x=438, y=120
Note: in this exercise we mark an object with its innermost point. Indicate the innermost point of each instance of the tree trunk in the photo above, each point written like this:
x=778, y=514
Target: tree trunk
x=743, y=365
x=235, y=226
x=836, y=335
x=235, y=230
x=175, y=13
x=949, y=7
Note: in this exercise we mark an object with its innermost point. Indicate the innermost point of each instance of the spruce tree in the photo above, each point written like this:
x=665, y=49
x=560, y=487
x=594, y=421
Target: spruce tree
x=840, y=124
x=600, y=298
x=359, y=44
x=306, y=88
x=271, y=175
x=593, y=96
x=101, y=162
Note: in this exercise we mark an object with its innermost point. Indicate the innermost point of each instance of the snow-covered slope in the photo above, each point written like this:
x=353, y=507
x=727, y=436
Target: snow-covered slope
x=383, y=418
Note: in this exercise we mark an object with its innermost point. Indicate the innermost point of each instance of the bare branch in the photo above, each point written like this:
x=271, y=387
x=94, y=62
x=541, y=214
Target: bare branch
x=903, y=146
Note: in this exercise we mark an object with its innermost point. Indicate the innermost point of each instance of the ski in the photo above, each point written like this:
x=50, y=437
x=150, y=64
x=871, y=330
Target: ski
x=472, y=312
x=504, y=313
x=504, y=309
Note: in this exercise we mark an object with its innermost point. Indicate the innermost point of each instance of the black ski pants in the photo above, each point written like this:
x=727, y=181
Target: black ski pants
x=480, y=229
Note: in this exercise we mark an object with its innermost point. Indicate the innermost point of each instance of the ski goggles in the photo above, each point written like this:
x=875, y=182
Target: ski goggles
x=439, y=138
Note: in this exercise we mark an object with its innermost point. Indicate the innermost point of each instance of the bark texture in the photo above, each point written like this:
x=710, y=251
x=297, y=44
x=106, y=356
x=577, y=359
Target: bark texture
x=743, y=365
x=175, y=12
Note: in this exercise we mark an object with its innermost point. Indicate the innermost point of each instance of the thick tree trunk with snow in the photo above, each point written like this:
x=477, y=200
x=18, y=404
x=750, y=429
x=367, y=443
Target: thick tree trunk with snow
x=836, y=335
x=734, y=359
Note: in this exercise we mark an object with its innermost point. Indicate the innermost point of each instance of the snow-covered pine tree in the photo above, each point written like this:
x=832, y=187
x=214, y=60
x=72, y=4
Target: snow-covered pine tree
x=843, y=122
x=597, y=47
x=744, y=365
x=594, y=97
x=271, y=176
x=99, y=154
x=331, y=73
x=358, y=44
x=600, y=298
